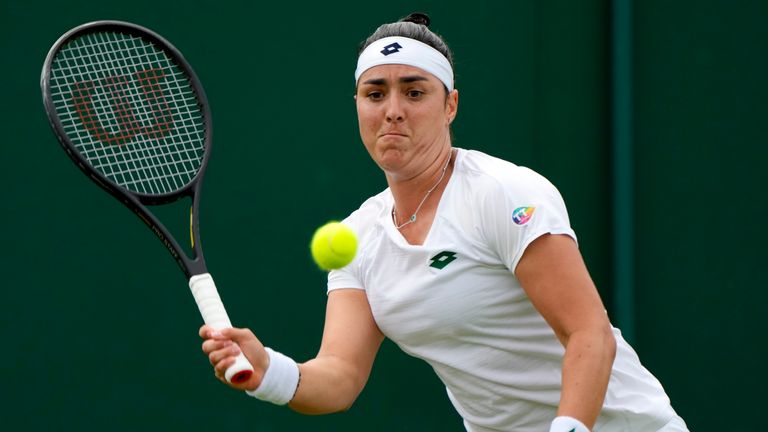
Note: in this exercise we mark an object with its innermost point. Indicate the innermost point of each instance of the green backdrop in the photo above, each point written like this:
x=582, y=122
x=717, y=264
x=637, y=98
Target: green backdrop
x=100, y=331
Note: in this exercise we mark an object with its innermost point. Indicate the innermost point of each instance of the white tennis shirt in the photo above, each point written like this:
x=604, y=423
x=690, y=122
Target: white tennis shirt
x=455, y=302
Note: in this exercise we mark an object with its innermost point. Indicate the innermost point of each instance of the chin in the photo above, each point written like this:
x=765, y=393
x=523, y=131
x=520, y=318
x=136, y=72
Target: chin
x=390, y=155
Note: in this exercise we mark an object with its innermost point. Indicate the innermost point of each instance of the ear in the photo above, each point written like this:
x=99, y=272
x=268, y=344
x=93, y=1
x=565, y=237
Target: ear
x=452, y=105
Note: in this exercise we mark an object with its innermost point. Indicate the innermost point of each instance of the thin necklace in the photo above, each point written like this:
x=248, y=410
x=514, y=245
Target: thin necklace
x=412, y=219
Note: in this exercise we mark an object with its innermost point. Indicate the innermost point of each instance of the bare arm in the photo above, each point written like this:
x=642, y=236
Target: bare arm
x=556, y=280
x=330, y=382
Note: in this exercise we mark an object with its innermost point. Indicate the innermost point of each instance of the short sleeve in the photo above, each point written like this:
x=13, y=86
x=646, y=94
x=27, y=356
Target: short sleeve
x=344, y=278
x=519, y=208
x=350, y=275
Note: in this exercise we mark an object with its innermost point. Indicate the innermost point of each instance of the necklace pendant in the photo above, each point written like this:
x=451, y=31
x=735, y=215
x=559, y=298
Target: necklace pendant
x=412, y=219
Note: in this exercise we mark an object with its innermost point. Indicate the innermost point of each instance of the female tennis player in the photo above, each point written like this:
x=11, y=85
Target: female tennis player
x=467, y=262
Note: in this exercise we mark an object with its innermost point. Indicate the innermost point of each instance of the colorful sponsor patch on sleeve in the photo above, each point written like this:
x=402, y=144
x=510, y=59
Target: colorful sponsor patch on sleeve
x=522, y=215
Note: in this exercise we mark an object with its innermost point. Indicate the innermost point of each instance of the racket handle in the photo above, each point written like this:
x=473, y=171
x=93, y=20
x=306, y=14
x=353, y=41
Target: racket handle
x=214, y=315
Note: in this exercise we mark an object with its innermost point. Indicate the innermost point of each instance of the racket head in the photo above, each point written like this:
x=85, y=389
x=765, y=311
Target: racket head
x=129, y=110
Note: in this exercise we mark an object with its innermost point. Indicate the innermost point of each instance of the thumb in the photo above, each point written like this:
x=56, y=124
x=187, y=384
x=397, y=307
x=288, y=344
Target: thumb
x=249, y=344
x=238, y=335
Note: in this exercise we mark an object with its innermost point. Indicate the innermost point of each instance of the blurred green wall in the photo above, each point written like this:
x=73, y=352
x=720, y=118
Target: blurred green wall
x=101, y=335
x=700, y=151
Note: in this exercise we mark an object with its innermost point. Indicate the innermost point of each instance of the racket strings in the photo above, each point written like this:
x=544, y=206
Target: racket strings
x=118, y=99
x=89, y=122
x=130, y=111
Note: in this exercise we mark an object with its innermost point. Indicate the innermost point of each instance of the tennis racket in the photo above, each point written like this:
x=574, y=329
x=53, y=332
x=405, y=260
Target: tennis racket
x=131, y=113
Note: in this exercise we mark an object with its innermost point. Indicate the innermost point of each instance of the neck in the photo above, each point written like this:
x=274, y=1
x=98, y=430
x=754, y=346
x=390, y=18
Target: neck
x=419, y=195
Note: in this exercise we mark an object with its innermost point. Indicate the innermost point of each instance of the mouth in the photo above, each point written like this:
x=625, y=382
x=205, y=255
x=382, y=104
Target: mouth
x=392, y=134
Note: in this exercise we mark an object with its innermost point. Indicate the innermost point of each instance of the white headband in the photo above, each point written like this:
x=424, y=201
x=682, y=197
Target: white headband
x=400, y=50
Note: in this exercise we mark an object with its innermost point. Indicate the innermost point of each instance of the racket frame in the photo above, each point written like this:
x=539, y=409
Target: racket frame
x=200, y=281
x=134, y=200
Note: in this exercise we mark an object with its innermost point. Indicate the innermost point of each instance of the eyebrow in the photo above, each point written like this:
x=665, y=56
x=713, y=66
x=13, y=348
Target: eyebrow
x=403, y=80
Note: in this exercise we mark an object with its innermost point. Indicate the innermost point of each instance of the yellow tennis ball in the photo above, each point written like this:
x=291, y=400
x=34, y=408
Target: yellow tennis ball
x=333, y=246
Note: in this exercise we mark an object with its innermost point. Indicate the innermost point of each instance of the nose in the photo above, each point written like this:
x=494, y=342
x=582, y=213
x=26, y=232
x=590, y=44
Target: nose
x=394, y=109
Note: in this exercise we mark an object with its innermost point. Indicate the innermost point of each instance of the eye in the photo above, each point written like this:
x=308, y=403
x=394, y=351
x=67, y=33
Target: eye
x=375, y=95
x=414, y=94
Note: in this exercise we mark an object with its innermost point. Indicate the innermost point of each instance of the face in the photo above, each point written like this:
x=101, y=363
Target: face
x=404, y=117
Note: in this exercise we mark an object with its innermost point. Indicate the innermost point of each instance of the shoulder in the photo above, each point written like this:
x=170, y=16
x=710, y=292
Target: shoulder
x=365, y=222
x=490, y=176
x=364, y=219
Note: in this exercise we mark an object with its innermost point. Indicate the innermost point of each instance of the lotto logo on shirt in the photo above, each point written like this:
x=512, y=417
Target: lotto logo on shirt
x=522, y=215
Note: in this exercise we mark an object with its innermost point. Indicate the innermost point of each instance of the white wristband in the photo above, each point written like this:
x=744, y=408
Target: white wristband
x=280, y=381
x=567, y=424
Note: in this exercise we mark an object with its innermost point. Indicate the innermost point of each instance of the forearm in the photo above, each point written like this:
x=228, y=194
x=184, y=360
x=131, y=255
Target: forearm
x=328, y=384
x=586, y=371
x=332, y=381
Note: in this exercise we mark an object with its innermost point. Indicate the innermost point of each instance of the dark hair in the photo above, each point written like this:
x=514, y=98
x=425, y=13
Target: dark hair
x=414, y=26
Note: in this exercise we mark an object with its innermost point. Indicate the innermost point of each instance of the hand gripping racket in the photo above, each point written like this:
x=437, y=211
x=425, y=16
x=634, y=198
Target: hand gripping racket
x=131, y=113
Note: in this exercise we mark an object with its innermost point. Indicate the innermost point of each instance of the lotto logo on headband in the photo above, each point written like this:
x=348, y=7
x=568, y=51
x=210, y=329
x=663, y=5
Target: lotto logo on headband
x=391, y=49
x=522, y=215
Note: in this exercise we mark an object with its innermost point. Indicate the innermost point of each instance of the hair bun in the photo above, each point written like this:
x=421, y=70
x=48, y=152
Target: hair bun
x=418, y=18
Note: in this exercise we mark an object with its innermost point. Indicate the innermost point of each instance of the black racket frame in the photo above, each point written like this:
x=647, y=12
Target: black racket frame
x=138, y=202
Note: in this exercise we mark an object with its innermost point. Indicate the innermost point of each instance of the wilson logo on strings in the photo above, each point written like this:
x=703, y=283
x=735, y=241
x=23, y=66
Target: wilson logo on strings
x=151, y=118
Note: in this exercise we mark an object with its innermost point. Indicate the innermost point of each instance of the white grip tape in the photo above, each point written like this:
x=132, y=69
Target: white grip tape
x=208, y=301
x=214, y=315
